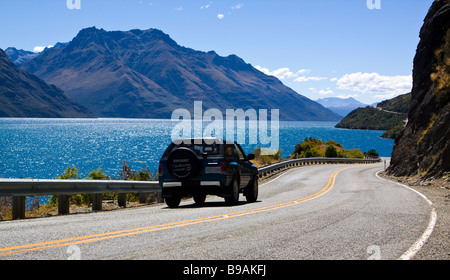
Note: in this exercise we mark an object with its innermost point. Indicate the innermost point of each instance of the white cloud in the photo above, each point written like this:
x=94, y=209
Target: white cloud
x=39, y=49
x=325, y=92
x=262, y=69
x=179, y=9
x=282, y=73
x=220, y=16
x=303, y=71
x=307, y=79
x=238, y=6
x=322, y=91
x=374, y=83
x=206, y=6
x=387, y=96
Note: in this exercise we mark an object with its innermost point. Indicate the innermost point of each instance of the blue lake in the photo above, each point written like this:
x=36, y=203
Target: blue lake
x=44, y=148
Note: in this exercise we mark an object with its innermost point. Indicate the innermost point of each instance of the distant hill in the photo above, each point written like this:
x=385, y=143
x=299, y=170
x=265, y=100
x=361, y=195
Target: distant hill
x=146, y=74
x=399, y=104
x=25, y=95
x=341, y=106
x=389, y=115
x=371, y=118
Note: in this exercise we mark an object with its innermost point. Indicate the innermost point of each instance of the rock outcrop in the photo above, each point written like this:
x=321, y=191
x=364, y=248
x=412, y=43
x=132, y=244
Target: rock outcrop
x=426, y=138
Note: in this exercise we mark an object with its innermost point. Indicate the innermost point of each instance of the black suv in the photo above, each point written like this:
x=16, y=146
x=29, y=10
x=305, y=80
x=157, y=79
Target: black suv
x=201, y=166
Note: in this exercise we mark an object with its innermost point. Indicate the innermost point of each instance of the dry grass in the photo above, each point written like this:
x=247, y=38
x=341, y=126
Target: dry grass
x=5, y=208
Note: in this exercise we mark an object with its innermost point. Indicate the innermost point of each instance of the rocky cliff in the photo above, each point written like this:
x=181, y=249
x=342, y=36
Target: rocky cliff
x=426, y=138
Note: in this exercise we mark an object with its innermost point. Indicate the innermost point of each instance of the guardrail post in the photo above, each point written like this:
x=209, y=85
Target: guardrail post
x=63, y=204
x=159, y=197
x=18, y=209
x=142, y=198
x=97, y=202
x=122, y=197
x=122, y=200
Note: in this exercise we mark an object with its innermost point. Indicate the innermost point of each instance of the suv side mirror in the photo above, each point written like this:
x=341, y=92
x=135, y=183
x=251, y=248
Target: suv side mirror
x=250, y=156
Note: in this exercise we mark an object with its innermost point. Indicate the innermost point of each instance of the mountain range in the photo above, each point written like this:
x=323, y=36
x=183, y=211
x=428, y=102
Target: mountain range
x=146, y=74
x=341, y=106
x=19, y=56
x=25, y=95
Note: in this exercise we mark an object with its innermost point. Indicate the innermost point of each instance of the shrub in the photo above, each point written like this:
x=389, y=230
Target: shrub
x=308, y=148
x=69, y=173
x=262, y=160
x=354, y=153
x=97, y=175
x=331, y=152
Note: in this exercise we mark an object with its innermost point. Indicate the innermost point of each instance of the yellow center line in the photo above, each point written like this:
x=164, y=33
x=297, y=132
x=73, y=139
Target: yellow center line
x=141, y=230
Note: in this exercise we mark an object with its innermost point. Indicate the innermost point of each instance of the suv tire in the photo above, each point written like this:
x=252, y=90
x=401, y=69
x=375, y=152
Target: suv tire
x=173, y=202
x=234, y=198
x=200, y=198
x=251, y=192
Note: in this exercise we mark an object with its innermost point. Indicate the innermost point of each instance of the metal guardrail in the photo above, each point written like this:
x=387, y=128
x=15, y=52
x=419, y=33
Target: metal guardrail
x=274, y=168
x=20, y=188
x=35, y=187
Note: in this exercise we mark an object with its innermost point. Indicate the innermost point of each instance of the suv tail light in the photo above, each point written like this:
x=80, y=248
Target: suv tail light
x=160, y=169
x=223, y=167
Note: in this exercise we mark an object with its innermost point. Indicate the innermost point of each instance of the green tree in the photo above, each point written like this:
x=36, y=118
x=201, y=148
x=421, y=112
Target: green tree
x=69, y=173
x=372, y=153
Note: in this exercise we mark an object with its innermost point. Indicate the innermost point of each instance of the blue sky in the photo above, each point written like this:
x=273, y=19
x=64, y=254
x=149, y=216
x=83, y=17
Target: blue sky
x=319, y=48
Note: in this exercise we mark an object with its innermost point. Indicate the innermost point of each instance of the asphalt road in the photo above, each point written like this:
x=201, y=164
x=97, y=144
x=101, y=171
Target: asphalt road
x=311, y=212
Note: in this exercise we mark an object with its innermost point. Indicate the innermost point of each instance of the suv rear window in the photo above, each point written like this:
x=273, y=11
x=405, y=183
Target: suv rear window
x=199, y=149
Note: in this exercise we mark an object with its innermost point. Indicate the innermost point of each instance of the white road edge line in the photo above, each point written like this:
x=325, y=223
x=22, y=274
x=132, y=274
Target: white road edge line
x=278, y=177
x=411, y=252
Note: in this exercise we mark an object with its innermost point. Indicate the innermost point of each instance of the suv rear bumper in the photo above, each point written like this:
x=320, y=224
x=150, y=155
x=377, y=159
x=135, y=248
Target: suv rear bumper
x=180, y=184
x=192, y=188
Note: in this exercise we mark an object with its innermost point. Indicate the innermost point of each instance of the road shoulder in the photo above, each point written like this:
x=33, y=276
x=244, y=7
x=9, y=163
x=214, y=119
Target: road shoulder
x=437, y=246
